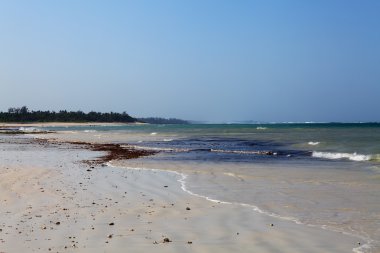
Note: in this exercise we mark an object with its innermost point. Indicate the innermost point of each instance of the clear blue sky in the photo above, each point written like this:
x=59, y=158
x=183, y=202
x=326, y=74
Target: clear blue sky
x=209, y=60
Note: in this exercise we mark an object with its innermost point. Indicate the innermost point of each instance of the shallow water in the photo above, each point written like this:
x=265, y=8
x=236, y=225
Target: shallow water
x=325, y=175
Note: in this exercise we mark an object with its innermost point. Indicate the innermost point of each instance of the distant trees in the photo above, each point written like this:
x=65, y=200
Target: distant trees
x=23, y=114
x=22, y=110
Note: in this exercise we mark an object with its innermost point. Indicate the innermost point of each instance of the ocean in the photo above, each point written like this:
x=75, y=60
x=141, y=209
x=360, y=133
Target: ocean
x=322, y=175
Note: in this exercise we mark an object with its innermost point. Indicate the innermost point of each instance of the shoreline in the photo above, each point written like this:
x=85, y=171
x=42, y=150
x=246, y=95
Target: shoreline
x=67, y=124
x=76, y=208
x=362, y=244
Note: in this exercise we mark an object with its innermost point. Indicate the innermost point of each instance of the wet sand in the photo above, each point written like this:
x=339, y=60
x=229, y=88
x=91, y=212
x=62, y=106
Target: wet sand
x=53, y=202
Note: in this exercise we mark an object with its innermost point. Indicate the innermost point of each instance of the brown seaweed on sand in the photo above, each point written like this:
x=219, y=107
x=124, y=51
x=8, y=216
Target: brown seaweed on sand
x=113, y=152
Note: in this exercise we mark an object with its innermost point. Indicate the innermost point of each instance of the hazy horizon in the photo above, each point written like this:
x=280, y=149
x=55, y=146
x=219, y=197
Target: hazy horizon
x=209, y=61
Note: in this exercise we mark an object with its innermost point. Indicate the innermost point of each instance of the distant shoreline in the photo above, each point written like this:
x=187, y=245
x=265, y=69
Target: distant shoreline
x=67, y=124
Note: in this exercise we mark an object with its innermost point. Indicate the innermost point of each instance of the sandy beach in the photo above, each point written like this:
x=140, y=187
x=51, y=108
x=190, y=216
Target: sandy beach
x=65, y=124
x=52, y=202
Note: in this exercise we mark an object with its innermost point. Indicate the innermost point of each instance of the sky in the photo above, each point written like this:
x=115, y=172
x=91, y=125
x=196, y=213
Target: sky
x=206, y=60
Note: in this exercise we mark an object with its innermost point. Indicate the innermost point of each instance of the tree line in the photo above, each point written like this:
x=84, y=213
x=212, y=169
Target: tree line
x=23, y=114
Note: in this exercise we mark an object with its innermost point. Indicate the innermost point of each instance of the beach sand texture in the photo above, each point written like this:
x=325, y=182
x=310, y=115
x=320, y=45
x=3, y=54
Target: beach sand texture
x=51, y=202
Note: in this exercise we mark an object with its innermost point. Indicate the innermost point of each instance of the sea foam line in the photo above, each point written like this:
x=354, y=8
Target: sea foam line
x=351, y=156
x=182, y=181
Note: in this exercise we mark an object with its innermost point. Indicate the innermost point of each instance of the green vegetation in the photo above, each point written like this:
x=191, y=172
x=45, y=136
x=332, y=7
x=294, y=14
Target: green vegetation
x=24, y=115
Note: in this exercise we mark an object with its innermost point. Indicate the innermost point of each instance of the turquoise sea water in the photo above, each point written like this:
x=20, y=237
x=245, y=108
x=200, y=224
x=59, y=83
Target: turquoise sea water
x=325, y=175
x=330, y=141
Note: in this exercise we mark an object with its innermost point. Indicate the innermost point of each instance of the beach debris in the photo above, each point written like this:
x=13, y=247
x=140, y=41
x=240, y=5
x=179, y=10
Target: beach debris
x=359, y=243
x=111, y=224
x=189, y=242
x=110, y=236
x=165, y=186
x=188, y=208
x=272, y=225
x=155, y=242
x=57, y=223
x=89, y=170
x=166, y=240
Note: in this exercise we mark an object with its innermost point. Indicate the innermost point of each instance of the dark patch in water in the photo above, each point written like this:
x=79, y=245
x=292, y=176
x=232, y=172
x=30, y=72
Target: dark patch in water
x=226, y=149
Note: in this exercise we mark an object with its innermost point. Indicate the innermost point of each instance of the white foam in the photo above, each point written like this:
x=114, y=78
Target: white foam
x=168, y=140
x=29, y=129
x=158, y=149
x=90, y=131
x=313, y=143
x=335, y=156
x=243, y=152
x=261, y=128
x=153, y=133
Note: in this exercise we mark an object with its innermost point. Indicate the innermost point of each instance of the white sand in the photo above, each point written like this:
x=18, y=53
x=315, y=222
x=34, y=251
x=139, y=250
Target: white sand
x=66, y=124
x=40, y=186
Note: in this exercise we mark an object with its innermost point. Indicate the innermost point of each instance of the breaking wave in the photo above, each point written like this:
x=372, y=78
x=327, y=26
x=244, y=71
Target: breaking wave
x=29, y=129
x=90, y=131
x=350, y=156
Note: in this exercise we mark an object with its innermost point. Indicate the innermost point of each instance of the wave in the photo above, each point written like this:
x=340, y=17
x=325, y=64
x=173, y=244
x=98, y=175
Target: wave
x=90, y=131
x=334, y=156
x=158, y=149
x=244, y=152
x=313, y=143
x=29, y=129
x=182, y=180
x=261, y=128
